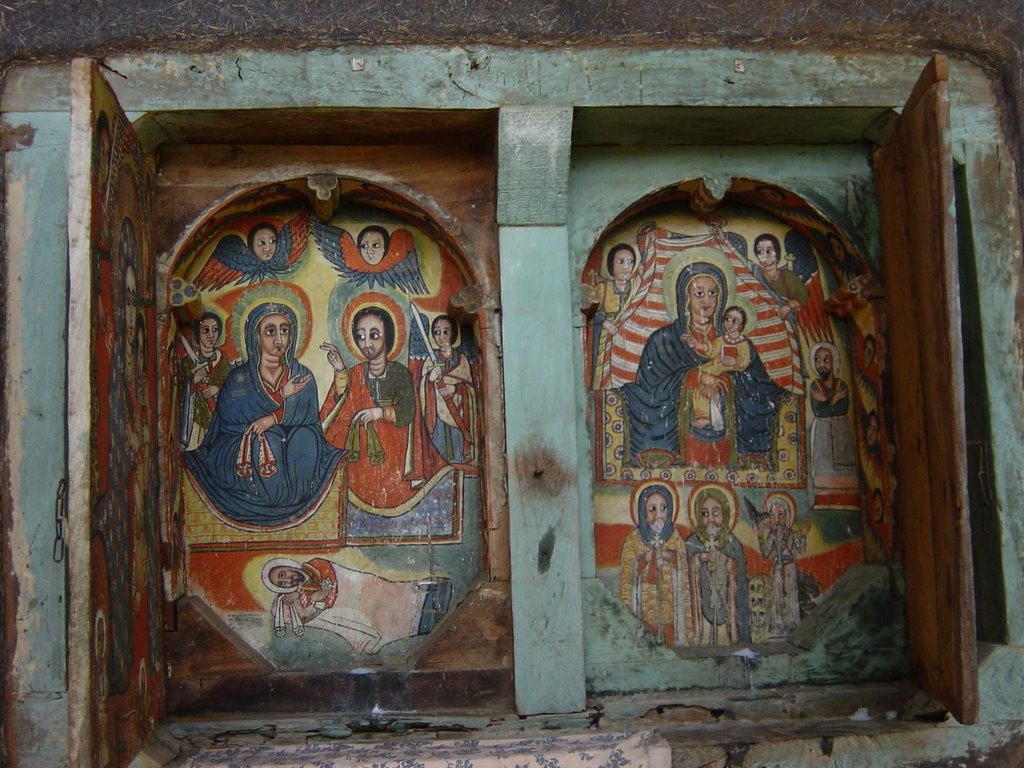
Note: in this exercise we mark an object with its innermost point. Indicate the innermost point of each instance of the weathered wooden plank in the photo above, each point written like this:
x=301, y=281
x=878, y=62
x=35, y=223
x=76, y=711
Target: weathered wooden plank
x=459, y=178
x=915, y=197
x=204, y=646
x=540, y=382
x=661, y=126
x=323, y=126
x=533, y=164
x=486, y=76
x=351, y=692
x=114, y=592
x=81, y=737
x=479, y=636
x=36, y=243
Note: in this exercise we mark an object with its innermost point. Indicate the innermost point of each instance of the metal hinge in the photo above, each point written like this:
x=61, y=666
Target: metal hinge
x=60, y=509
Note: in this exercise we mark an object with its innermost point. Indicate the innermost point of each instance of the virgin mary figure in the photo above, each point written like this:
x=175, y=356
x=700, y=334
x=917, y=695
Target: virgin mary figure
x=676, y=369
x=265, y=461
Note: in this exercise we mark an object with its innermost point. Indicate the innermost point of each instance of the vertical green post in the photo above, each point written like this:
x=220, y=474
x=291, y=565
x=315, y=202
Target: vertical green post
x=540, y=407
x=36, y=180
x=995, y=229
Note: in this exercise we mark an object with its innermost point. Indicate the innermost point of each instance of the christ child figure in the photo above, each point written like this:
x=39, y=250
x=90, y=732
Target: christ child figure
x=732, y=351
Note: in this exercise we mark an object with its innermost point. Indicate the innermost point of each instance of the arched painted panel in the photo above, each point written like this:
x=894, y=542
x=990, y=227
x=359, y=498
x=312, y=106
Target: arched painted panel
x=326, y=423
x=741, y=455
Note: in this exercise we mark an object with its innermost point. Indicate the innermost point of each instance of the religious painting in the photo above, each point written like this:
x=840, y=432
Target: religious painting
x=326, y=409
x=733, y=363
x=118, y=561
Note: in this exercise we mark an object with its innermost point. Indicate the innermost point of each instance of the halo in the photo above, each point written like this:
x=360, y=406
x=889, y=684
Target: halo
x=277, y=562
x=836, y=367
x=714, y=489
x=634, y=499
x=278, y=293
x=786, y=499
x=381, y=301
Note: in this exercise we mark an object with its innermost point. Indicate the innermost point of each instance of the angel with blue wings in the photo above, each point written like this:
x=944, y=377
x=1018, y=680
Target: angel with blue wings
x=789, y=272
x=268, y=252
x=375, y=256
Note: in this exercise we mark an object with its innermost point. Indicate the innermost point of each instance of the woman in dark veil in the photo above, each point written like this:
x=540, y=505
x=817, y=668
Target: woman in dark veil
x=674, y=368
x=265, y=461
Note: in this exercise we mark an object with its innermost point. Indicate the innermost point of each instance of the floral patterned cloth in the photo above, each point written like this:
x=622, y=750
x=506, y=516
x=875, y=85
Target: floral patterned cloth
x=602, y=750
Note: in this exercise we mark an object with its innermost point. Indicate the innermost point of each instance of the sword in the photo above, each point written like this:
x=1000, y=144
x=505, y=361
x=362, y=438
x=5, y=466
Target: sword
x=194, y=356
x=437, y=384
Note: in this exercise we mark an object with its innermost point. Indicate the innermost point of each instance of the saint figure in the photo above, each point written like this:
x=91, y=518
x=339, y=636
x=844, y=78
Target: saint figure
x=365, y=609
x=653, y=578
x=448, y=394
x=371, y=411
x=782, y=542
x=264, y=461
x=718, y=572
x=833, y=454
x=202, y=373
x=612, y=296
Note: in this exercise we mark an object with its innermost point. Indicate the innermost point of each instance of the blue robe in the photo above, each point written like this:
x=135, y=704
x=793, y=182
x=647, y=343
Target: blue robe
x=305, y=460
x=653, y=399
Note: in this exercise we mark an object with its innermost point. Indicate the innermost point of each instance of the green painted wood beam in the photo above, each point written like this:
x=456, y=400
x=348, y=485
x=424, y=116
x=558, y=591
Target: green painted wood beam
x=540, y=408
x=996, y=229
x=35, y=349
x=542, y=460
x=484, y=77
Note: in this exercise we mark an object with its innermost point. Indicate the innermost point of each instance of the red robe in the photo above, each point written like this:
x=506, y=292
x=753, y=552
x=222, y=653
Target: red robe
x=401, y=464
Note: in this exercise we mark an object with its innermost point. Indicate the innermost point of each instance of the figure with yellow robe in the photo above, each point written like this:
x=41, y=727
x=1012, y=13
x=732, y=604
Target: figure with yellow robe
x=653, y=579
x=612, y=297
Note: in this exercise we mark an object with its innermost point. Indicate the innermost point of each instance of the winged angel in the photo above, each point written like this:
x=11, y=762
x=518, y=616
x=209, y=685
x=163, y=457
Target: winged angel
x=268, y=252
x=375, y=256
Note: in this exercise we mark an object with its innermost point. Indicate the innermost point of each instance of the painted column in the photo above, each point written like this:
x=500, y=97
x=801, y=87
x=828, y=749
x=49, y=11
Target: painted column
x=540, y=407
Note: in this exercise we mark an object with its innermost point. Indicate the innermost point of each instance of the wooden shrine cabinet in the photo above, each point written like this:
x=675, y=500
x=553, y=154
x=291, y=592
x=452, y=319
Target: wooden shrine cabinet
x=261, y=520
x=803, y=428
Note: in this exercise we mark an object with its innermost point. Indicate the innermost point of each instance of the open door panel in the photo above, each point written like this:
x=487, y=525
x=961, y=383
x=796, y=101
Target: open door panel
x=914, y=176
x=115, y=667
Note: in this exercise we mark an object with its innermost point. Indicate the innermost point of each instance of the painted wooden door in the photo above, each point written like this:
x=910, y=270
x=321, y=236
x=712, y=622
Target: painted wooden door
x=914, y=173
x=115, y=666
